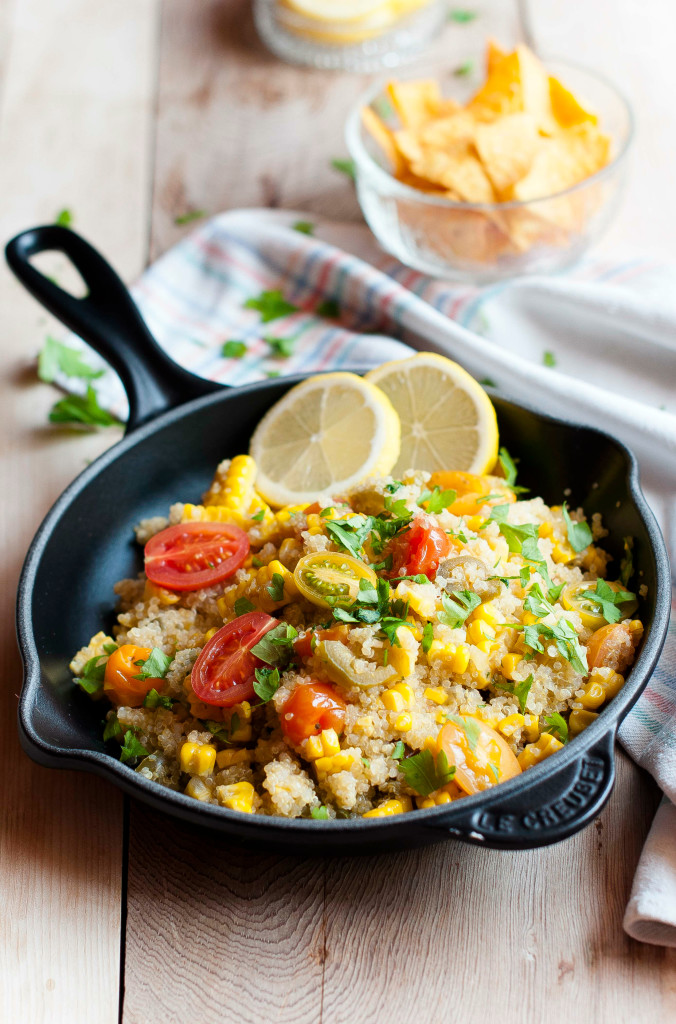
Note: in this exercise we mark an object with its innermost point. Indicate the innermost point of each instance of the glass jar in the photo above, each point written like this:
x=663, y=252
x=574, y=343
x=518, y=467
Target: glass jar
x=349, y=35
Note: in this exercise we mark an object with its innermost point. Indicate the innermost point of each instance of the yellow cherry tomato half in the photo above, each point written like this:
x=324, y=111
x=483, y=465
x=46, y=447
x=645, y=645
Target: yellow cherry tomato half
x=481, y=756
x=590, y=612
x=330, y=579
x=472, y=490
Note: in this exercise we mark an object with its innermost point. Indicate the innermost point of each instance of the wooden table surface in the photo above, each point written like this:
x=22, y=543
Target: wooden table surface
x=131, y=112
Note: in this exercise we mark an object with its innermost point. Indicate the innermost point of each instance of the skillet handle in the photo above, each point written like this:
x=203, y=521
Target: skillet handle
x=553, y=807
x=108, y=319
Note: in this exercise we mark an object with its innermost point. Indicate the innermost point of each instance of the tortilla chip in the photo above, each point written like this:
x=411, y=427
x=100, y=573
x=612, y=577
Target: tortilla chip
x=494, y=54
x=575, y=154
x=446, y=131
x=384, y=137
x=519, y=83
x=567, y=110
x=457, y=169
x=507, y=148
x=416, y=103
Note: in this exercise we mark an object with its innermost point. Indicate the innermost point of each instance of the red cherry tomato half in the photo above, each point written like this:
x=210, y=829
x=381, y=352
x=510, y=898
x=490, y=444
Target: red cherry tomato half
x=224, y=673
x=311, y=708
x=190, y=556
x=419, y=549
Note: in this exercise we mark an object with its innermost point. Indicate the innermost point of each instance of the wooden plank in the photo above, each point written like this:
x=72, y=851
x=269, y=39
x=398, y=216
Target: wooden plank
x=76, y=106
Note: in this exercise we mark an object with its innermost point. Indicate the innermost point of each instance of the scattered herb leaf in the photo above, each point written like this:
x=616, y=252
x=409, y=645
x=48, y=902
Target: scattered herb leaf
x=424, y=773
x=64, y=218
x=304, y=227
x=56, y=357
x=319, y=813
x=112, y=729
x=82, y=409
x=462, y=17
x=271, y=305
x=579, y=534
x=520, y=691
x=276, y=647
x=233, y=350
x=607, y=600
x=132, y=748
x=189, y=216
x=457, y=606
x=266, y=683
x=346, y=167
x=155, y=666
x=549, y=359
x=153, y=699
x=557, y=725
x=399, y=750
x=276, y=587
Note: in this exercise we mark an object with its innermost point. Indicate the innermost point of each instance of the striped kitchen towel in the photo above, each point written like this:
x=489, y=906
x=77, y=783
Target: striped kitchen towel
x=608, y=328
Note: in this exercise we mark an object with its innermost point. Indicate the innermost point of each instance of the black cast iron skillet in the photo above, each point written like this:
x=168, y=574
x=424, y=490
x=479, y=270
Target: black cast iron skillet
x=180, y=427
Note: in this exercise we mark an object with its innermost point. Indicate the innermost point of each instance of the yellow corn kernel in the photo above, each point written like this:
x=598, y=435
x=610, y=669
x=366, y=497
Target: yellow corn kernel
x=390, y=807
x=286, y=517
x=213, y=514
x=365, y=725
x=488, y=646
x=238, y=796
x=509, y=663
x=313, y=748
x=430, y=743
x=595, y=560
x=533, y=753
x=437, y=694
x=475, y=523
x=403, y=722
x=488, y=614
x=545, y=530
x=421, y=598
x=440, y=651
x=198, y=789
x=290, y=551
x=562, y=552
x=402, y=658
x=407, y=693
x=580, y=720
x=264, y=579
x=531, y=728
x=478, y=631
x=315, y=524
x=456, y=656
x=440, y=717
x=508, y=726
x=227, y=758
x=198, y=758
x=165, y=597
x=210, y=632
x=424, y=802
x=243, y=710
x=460, y=659
x=529, y=618
x=593, y=695
x=393, y=700
x=611, y=681
x=337, y=763
x=442, y=798
x=233, y=484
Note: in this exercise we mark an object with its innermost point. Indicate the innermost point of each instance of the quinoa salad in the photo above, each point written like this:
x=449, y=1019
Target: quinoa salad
x=392, y=648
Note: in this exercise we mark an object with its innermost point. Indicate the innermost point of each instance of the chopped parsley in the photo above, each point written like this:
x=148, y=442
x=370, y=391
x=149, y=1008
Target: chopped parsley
x=276, y=587
x=112, y=729
x=132, y=749
x=259, y=516
x=56, y=357
x=487, y=382
x=537, y=603
x=346, y=167
x=457, y=606
x=462, y=17
x=424, y=773
x=281, y=347
x=304, y=227
x=437, y=500
x=189, y=216
x=219, y=730
x=627, y=563
x=464, y=69
x=91, y=680
x=243, y=605
x=271, y=305
x=399, y=750
x=266, y=683
x=276, y=647
x=155, y=666
x=554, y=592
x=233, y=350
x=64, y=218
x=579, y=534
x=565, y=638
x=319, y=813
x=153, y=699
x=607, y=600
x=82, y=410
x=419, y=577
x=520, y=691
x=328, y=308
x=557, y=726
x=109, y=648
x=350, y=534
x=549, y=359
x=509, y=469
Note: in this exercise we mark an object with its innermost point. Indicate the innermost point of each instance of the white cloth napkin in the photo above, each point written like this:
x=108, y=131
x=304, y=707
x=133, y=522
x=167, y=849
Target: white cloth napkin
x=610, y=327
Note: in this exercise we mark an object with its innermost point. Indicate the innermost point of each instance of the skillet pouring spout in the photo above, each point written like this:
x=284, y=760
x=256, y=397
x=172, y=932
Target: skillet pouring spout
x=180, y=428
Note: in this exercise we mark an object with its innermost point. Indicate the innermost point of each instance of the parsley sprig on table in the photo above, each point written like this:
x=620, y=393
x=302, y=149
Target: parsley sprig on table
x=56, y=357
x=82, y=410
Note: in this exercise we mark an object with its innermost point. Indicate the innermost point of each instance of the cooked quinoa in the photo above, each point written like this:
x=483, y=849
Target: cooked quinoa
x=498, y=647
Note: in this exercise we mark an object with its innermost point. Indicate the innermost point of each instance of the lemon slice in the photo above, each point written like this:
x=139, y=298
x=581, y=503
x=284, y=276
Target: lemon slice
x=344, y=10
x=447, y=419
x=323, y=437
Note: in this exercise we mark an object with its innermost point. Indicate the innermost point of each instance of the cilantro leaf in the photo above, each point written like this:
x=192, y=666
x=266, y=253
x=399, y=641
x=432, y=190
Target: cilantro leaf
x=319, y=813
x=557, y=725
x=346, y=167
x=471, y=728
x=219, y=730
x=498, y=514
x=565, y=638
x=462, y=17
x=579, y=534
x=132, y=748
x=554, y=592
x=155, y=666
x=64, y=218
x=109, y=648
x=389, y=625
x=189, y=216
x=259, y=516
x=281, y=347
x=520, y=691
x=487, y=382
x=549, y=359
x=457, y=606
x=266, y=683
x=56, y=357
x=424, y=773
x=524, y=575
x=93, y=672
x=437, y=500
x=243, y=605
x=112, y=729
x=328, y=308
x=509, y=469
x=276, y=647
x=276, y=587
x=627, y=563
x=399, y=750
x=82, y=409
x=233, y=350
x=153, y=699
x=607, y=600
x=537, y=603
x=271, y=305
x=350, y=533
x=305, y=227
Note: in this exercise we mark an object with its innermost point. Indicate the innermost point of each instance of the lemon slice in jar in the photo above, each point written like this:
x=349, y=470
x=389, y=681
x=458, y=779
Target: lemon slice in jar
x=330, y=10
x=447, y=419
x=323, y=437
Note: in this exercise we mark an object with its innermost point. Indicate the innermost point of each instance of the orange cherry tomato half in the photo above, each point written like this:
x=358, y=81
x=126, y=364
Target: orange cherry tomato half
x=419, y=549
x=119, y=681
x=311, y=708
x=224, y=673
x=481, y=756
x=302, y=645
x=190, y=556
x=614, y=646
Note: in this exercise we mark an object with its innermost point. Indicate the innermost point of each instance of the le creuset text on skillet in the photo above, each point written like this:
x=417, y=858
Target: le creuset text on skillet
x=180, y=426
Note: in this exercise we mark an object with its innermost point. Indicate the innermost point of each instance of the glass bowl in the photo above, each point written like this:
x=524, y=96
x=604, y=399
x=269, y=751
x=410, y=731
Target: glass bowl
x=483, y=242
x=387, y=40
